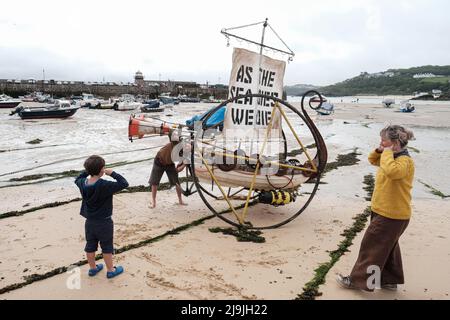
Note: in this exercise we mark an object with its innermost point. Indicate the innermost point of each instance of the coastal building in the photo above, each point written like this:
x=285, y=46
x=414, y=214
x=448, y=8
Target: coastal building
x=387, y=74
x=424, y=75
x=165, y=85
x=139, y=79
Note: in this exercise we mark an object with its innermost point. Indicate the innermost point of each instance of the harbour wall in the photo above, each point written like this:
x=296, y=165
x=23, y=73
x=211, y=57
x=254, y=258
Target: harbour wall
x=107, y=90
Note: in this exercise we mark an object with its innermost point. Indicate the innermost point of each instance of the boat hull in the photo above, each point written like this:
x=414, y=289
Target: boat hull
x=324, y=112
x=48, y=114
x=104, y=106
x=239, y=178
x=150, y=110
x=9, y=104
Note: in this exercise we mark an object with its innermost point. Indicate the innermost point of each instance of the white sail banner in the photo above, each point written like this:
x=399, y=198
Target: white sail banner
x=253, y=73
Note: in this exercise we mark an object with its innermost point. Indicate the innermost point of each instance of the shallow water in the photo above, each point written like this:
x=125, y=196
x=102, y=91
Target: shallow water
x=374, y=100
x=67, y=143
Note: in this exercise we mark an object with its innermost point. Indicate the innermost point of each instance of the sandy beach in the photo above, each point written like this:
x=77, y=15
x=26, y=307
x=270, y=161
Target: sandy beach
x=170, y=253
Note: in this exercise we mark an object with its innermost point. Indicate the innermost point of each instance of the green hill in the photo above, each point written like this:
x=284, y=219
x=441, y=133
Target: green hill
x=299, y=89
x=394, y=81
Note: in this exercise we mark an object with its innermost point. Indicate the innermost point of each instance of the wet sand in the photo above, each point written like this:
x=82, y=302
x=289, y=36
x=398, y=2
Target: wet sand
x=198, y=264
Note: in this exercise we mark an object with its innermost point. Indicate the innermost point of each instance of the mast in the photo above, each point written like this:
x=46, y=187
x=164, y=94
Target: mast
x=262, y=38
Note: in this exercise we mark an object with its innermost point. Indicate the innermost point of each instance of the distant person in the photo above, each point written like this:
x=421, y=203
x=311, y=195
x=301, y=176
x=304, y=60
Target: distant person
x=391, y=212
x=163, y=163
x=97, y=208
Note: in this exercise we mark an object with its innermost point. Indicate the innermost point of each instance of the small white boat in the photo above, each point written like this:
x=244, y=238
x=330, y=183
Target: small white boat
x=128, y=105
x=388, y=102
x=107, y=104
x=90, y=101
x=8, y=102
x=241, y=178
x=407, y=107
x=326, y=109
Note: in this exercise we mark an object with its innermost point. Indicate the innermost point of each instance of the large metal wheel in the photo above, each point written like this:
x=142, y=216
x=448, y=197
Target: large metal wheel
x=241, y=206
x=187, y=182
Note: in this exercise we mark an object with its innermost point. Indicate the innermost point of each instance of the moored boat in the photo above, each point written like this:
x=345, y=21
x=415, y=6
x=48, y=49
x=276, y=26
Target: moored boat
x=61, y=109
x=127, y=105
x=109, y=104
x=388, y=102
x=325, y=109
x=316, y=99
x=8, y=102
x=406, y=106
x=152, y=106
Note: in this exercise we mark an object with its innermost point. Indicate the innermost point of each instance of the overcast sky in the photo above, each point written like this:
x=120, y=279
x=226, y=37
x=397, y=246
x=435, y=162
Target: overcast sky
x=180, y=40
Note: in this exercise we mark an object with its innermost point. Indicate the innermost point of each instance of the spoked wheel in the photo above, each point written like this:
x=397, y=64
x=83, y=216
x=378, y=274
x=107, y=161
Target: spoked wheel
x=187, y=182
x=265, y=183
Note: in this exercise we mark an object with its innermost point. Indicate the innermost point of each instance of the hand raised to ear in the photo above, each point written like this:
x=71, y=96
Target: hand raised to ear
x=380, y=148
x=108, y=171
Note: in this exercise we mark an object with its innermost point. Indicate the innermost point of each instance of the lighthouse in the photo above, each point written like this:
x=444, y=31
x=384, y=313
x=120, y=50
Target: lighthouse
x=139, y=79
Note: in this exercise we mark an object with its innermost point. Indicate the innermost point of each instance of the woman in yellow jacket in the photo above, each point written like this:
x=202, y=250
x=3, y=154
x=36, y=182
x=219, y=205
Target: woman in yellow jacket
x=379, y=262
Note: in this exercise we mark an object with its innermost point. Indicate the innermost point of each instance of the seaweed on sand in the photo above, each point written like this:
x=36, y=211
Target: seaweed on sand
x=69, y=173
x=242, y=234
x=38, y=277
x=162, y=186
x=435, y=191
x=343, y=160
x=297, y=152
x=47, y=205
x=35, y=141
x=60, y=175
x=311, y=289
x=369, y=181
x=414, y=149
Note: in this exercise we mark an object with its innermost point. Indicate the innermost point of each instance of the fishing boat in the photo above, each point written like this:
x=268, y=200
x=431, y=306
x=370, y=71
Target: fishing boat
x=407, y=107
x=325, y=109
x=106, y=104
x=8, y=102
x=127, y=106
x=60, y=109
x=152, y=106
x=388, y=102
x=90, y=101
x=167, y=101
x=317, y=99
x=184, y=98
x=422, y=96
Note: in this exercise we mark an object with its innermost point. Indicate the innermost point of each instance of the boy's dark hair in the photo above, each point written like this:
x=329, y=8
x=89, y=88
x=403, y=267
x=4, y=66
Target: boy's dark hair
x=94, y=165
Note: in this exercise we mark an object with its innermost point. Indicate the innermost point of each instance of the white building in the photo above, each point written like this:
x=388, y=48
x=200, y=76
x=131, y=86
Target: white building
x=424, y=75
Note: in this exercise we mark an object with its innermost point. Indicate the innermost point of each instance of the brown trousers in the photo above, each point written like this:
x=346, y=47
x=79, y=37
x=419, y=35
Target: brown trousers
x=380, y=247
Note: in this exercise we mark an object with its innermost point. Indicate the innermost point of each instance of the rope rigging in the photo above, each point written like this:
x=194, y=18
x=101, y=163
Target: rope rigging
x=261, y=44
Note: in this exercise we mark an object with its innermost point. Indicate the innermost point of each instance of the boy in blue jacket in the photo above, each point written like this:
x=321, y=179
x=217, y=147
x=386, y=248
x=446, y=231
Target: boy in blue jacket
x=97, y=207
